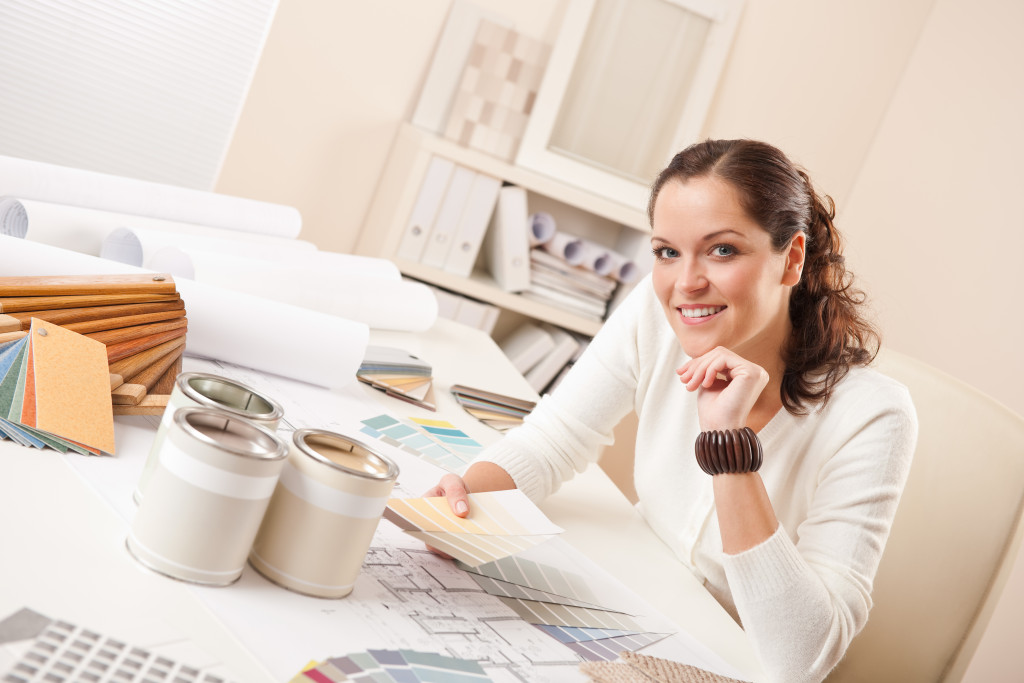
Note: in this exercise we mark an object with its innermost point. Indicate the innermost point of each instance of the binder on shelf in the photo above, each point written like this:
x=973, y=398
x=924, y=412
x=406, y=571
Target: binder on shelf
x=483, y=195
x=526, y=345
x=507, y=243
x=545, y=371
x=425, y=209
x=477, y=314
x=442, y=234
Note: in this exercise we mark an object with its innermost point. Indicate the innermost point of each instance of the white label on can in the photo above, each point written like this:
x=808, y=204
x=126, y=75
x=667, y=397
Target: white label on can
x=214, y=479
x=331, y=499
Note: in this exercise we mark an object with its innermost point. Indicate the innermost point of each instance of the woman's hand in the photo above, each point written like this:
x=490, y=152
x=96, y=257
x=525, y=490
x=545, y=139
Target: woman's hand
x=452, y=487
x=727, y=387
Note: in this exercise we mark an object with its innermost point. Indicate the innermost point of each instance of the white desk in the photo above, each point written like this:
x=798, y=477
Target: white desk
x=62, y=549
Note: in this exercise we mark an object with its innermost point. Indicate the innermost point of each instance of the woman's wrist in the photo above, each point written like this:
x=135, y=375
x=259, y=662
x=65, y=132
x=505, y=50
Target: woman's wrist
x=728, y=451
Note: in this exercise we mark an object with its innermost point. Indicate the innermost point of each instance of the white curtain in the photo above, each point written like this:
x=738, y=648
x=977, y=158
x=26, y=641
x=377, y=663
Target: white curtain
x=148, y=89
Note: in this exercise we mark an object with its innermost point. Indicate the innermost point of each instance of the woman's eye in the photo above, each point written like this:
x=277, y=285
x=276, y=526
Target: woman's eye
x=722, y=250
x=665, y=252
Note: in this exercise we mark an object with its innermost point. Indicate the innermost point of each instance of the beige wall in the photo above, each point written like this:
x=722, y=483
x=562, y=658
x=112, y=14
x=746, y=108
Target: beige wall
x=908, y=113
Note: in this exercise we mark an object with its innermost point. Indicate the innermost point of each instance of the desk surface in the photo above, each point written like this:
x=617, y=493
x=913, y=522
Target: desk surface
x=63, y=548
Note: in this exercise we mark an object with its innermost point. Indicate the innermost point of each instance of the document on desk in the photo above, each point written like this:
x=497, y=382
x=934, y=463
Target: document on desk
x=407, y=597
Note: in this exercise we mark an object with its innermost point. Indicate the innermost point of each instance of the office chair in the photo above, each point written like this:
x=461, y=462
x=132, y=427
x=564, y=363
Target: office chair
x=955, y=537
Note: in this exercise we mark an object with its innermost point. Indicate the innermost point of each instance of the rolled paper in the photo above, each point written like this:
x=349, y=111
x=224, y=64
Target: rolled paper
x=595, y=257
x=134, y=243
x=359, y=288
x=542, y=228
x=75, y=187
x=279, y=338
x=623, y=269
x=565, y=247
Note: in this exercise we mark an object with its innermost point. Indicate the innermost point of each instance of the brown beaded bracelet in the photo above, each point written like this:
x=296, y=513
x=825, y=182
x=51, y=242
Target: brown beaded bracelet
x=733, y=451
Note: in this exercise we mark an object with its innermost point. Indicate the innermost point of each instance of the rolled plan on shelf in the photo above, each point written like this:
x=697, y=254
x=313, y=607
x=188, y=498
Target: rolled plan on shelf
x=565, y=247
x=623, y=269
x=359, y=288
x=274, y=337
x=542, y=228
x=136, y=240
x=595, y=257
x=39, y=181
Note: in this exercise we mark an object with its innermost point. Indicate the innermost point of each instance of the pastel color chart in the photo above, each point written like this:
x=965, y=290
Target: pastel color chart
x=399, y=666
x=436, y=441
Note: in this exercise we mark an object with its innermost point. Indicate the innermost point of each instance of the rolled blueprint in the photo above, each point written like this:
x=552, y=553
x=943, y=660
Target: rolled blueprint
x=595, y=257
x=90, y=231
x=622, y=269
x=238, y=328
x=542, y=228
x=359, y=288
x=565, y=247
x=39, y=181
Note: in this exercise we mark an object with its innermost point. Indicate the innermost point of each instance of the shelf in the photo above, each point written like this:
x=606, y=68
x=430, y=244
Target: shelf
x=481, y=286
x=632, y=217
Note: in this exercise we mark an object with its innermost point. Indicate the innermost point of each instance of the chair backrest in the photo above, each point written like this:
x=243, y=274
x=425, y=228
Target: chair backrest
x=954, y=539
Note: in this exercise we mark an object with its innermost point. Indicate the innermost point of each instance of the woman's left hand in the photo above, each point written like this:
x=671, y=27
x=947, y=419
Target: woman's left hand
x=727, y=387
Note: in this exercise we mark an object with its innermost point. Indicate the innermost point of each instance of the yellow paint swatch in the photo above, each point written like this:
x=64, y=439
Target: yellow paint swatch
x=501, y=513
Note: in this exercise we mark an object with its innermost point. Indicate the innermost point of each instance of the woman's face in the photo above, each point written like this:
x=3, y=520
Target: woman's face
x=716, y=275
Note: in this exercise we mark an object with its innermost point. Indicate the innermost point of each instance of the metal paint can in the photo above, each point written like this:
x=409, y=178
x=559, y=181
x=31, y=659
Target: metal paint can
x=214, y=477
x=201, y=389
x=319, y=524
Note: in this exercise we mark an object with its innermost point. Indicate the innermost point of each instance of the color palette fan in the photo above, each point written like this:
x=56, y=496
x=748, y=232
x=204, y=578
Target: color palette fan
x=499, y=524
x=437, y=441
x=55, y=391
x=398, y=666
x=494, y=410
x=139, y=319
x=398, y=374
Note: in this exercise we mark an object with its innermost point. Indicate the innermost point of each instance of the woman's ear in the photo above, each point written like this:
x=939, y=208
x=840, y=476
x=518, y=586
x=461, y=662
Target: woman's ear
x=795, y=260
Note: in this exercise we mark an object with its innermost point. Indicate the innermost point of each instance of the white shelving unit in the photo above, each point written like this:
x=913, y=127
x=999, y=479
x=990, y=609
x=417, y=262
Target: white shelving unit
x=576, y=211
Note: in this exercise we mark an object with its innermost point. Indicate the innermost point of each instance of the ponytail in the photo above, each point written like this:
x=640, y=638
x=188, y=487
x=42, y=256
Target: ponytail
x=830, y=332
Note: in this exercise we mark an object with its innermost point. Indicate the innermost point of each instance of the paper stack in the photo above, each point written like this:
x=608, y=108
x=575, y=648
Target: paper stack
x=399, y=374
x=574, y=288
x=539, y=351
x=137, y=319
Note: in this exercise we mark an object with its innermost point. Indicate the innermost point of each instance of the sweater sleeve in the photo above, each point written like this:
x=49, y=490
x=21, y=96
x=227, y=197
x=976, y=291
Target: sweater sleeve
x=802, y=602
x=569, y=427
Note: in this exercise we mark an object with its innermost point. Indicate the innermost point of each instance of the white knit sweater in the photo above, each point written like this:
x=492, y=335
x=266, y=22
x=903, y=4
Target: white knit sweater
x=834, y=478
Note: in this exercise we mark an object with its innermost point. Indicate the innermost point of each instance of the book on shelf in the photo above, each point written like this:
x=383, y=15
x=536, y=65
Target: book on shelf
x=482, y=316
x=572, y=288
x=527, y=345
x=545, y=371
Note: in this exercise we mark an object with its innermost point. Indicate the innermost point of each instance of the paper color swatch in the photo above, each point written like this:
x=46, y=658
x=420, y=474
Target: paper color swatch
x=505, y=513
x=55, y=391
x=398, y=666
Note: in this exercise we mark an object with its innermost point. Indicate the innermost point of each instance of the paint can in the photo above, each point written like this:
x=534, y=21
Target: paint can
x=202, y=389
x=321, y=520
x=215, y=475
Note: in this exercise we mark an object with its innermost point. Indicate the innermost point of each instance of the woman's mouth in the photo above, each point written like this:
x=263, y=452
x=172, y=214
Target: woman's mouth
x=693, y=315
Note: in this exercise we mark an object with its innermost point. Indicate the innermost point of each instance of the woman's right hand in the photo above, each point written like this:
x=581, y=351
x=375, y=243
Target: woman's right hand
x=452, y=487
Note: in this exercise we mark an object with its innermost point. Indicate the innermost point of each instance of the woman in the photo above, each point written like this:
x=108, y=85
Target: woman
x=748, y=326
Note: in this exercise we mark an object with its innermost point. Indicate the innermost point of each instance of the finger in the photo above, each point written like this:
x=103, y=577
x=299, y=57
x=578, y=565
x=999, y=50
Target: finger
x=439, y=553
x=456, y=493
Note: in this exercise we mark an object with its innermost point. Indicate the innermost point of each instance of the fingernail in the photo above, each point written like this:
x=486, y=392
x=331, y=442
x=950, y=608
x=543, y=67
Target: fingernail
x=461, y=507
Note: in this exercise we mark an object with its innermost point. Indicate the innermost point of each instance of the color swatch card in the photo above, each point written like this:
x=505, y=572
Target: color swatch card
x=499, y=524
x=55, y=650
x=436, y=441
x=397, y=666
x=55, y=391
x=399, y=374
x=494, y=410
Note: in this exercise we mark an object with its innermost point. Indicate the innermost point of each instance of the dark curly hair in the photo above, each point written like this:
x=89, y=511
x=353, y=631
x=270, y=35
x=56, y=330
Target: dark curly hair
x=830, y=331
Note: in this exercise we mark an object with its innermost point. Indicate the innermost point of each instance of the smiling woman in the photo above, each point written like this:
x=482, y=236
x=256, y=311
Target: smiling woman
x=769, y=457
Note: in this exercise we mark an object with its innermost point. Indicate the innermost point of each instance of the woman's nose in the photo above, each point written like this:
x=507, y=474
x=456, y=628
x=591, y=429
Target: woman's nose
x=690, y=276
